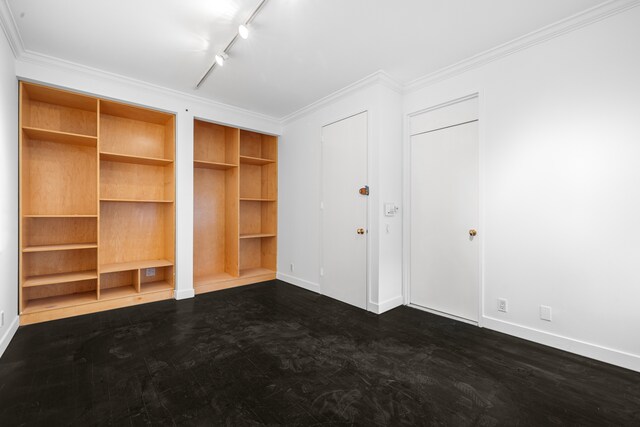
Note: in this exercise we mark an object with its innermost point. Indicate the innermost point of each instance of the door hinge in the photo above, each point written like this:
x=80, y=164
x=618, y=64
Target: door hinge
x=364, y=190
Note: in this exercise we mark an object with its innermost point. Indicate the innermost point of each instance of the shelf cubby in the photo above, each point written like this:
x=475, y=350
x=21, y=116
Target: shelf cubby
x=216, y=151
x=61, y=298
x=258, y=218
x=59, y=233
x=257, y=256
x=161, y=280
x=133, y=232
x=130, y=181
x=46, y=108
x=136, y=132
x=57, y=179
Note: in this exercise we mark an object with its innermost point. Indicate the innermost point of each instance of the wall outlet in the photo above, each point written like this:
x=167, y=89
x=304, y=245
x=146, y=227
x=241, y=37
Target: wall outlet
x=545, y=313
x=321, y=272
x=292, y=267
x=502, y=305
x=150, y=272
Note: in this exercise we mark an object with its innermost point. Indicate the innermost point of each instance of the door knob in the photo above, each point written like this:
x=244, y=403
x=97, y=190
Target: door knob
x=360, y=231
x=472, y=233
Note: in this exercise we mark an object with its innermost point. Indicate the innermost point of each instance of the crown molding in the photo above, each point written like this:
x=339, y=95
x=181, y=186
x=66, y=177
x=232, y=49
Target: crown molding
x=572, y=23
x=379, y=77
x=10, y=29
x=45, y=60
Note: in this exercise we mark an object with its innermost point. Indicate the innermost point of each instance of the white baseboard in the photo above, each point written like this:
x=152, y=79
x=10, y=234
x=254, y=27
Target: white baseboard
x=593, y=351
x=310, y=286
x=443, y=314
x=387, y=305
x=184, y=293
x=8, y=335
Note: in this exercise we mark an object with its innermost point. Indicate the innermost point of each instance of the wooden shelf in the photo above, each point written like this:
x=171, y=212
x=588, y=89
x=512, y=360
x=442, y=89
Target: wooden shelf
x=135, y=265
x=251, y=199
x=138, y=160
x=213, y=165
x=257, y=236
x=60, y=216
x=255, y=160
x=251, y=272
x=60, y=137
x=52, y=279
x=135, y=201
x=119, y=292
x=62, y=301
x=66, y=247
x=211, y=278
x=159, y=286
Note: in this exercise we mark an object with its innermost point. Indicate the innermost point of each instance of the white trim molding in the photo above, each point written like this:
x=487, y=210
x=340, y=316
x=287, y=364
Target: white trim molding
x=8, y=335
x=10, y=28
x=304, y=284
x=571, y=345
x=390, y=304
x=184, y=293
x=533, y=38
x=30, y=57
x=379, y=77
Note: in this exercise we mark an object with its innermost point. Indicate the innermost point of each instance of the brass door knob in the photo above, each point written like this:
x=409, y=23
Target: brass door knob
x=472, y=233
x=360, y=231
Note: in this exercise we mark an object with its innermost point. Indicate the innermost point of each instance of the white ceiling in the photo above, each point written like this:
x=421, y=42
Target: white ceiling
x=298, y=52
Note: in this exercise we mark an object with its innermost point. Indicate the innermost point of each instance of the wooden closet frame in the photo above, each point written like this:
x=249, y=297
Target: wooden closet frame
x=97, y=204
x=235, y=207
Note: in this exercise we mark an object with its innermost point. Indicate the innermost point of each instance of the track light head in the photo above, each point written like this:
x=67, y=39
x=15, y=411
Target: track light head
x=220, y=58
x=243, y=31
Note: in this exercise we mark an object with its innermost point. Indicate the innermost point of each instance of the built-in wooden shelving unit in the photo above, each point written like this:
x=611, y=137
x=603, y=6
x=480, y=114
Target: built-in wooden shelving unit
x=235, y=212
x=96, y=200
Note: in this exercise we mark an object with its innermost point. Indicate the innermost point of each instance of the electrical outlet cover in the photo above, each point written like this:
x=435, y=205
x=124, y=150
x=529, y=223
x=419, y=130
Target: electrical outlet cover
x=545, y=313
x=149, y=272
x=502, y=305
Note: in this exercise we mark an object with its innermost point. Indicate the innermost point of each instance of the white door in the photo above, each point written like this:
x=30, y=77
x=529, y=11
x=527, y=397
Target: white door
x=344, y=211
x=444, y=212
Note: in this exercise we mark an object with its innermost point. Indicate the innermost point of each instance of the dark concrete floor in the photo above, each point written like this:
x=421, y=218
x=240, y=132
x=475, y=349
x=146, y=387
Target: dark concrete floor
x=276, y=354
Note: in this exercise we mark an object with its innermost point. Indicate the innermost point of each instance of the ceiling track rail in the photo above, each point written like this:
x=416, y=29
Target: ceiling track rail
x=232, y=42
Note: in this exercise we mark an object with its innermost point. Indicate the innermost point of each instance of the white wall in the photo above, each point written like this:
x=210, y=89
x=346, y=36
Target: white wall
x=8, y=194
x=560, y=151
x=185, y=107
x=299, y=192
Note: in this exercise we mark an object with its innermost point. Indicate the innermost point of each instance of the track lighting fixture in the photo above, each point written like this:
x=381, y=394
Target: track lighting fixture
x=243, y=32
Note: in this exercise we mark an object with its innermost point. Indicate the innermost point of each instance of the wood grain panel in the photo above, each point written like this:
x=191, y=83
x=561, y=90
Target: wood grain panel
x=59, y=231
x=118, y=279
x=250, y=253
x=251, y=218
x=135, y=181
x=232, y=221
x=41, y=263
x=120, y=135
x=250, y=181
x=70, y=289
x=58, y=178
x=250, y=144
x=209, y=221
x=132, y=232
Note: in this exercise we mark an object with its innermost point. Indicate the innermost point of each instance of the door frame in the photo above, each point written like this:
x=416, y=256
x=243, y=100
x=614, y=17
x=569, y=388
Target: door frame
x=368, y=205
x=406, y=217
